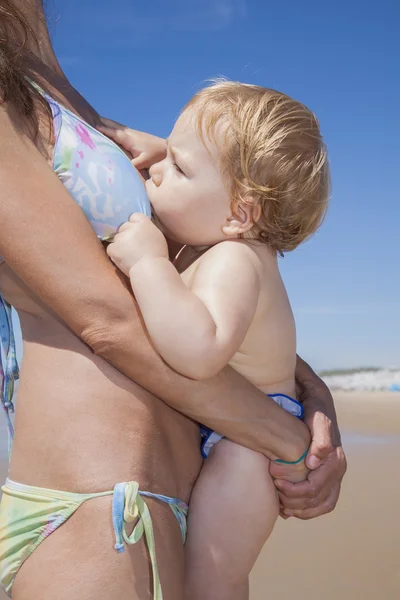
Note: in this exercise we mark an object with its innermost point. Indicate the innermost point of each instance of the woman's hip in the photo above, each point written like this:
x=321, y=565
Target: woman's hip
x=95, y=446
x=121, y=539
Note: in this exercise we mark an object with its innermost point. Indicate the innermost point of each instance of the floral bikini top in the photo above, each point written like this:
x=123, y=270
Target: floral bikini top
x=101, y=179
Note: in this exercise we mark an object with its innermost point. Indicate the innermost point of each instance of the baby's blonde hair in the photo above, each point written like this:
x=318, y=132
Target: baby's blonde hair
x=273, y=158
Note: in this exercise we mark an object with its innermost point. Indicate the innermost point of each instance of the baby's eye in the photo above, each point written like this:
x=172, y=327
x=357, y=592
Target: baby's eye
x=177, y=167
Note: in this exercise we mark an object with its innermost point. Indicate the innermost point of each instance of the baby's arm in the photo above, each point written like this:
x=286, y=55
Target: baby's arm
x=145, y=148
x=197, y=330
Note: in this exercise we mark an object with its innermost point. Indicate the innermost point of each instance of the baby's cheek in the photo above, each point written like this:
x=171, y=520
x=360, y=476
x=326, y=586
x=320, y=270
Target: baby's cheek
x=173, y=208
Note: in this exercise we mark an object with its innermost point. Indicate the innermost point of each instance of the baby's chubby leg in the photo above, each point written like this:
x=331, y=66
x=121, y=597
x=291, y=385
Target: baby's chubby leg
x=233, y=510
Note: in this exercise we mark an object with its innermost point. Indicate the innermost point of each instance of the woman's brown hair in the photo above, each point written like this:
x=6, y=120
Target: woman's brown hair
x=16, y=39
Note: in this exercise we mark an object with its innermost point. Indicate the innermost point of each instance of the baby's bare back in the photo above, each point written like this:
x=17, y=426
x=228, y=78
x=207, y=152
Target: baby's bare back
x=267, y=355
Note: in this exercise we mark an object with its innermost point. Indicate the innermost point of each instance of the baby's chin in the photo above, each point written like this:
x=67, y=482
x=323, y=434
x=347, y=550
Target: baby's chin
x=159, y=224
x=157, y=221
x=163, y=229
x=174, y=237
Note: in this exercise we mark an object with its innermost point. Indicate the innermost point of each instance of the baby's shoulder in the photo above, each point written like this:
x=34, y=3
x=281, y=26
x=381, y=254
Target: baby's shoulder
x=229, y=264
x=232, y=255
x=233, y=252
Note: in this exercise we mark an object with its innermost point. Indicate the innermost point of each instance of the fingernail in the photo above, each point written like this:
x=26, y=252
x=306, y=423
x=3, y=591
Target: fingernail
x=288, y=513
x=313, y=462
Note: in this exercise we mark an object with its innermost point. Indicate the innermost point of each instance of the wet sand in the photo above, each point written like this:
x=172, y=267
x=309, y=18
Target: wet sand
x=355, y=551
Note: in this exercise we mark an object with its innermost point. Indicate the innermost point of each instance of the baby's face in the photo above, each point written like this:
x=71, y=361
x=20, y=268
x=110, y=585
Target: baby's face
x=186, y=189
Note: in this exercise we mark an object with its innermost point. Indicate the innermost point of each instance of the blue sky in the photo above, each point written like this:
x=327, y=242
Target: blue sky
x=139, y=62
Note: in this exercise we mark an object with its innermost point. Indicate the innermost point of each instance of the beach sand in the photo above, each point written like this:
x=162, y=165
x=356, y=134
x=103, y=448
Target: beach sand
x=355, y=551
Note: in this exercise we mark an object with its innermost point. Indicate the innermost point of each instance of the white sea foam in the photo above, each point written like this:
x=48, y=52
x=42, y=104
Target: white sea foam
x=365, y=380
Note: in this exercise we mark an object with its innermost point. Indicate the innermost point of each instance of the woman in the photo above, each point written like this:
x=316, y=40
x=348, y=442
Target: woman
x=84, y=424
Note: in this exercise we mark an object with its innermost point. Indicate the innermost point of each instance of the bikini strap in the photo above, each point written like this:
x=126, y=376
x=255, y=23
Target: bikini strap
x=129, y=507
x=9, y=371
x=54, y=106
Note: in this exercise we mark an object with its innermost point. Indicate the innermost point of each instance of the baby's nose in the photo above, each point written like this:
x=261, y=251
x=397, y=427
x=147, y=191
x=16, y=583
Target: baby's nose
x=155, y=173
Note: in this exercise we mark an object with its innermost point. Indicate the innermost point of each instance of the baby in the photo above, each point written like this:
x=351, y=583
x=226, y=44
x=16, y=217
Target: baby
x=245, y=179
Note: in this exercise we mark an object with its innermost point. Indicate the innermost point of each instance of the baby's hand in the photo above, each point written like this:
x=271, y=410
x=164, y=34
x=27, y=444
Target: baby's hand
x=136, y=239
x=145, y=149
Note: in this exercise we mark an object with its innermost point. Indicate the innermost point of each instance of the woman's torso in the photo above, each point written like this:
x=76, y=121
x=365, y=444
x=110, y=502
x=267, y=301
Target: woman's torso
x=80, y=424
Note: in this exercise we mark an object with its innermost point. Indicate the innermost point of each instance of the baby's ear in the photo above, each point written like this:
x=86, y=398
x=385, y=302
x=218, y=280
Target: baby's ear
x=246, y=213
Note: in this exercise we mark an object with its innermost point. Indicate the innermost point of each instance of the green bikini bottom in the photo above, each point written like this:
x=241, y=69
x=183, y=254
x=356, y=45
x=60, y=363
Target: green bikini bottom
x=28, y=515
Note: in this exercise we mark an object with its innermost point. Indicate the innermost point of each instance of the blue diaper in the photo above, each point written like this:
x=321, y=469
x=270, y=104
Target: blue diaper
x=209, y=437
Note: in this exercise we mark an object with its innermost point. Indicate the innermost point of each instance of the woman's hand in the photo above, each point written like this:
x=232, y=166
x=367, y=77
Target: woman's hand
x=289, y=473
x=319, y=493
x=145, y=149
x=137, y=239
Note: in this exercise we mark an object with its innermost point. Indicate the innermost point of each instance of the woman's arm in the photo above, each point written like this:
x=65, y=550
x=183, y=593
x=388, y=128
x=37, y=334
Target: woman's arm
x=46, y=239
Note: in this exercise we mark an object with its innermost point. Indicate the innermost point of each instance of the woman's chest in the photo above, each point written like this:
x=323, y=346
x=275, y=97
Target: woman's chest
x=98, y=175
